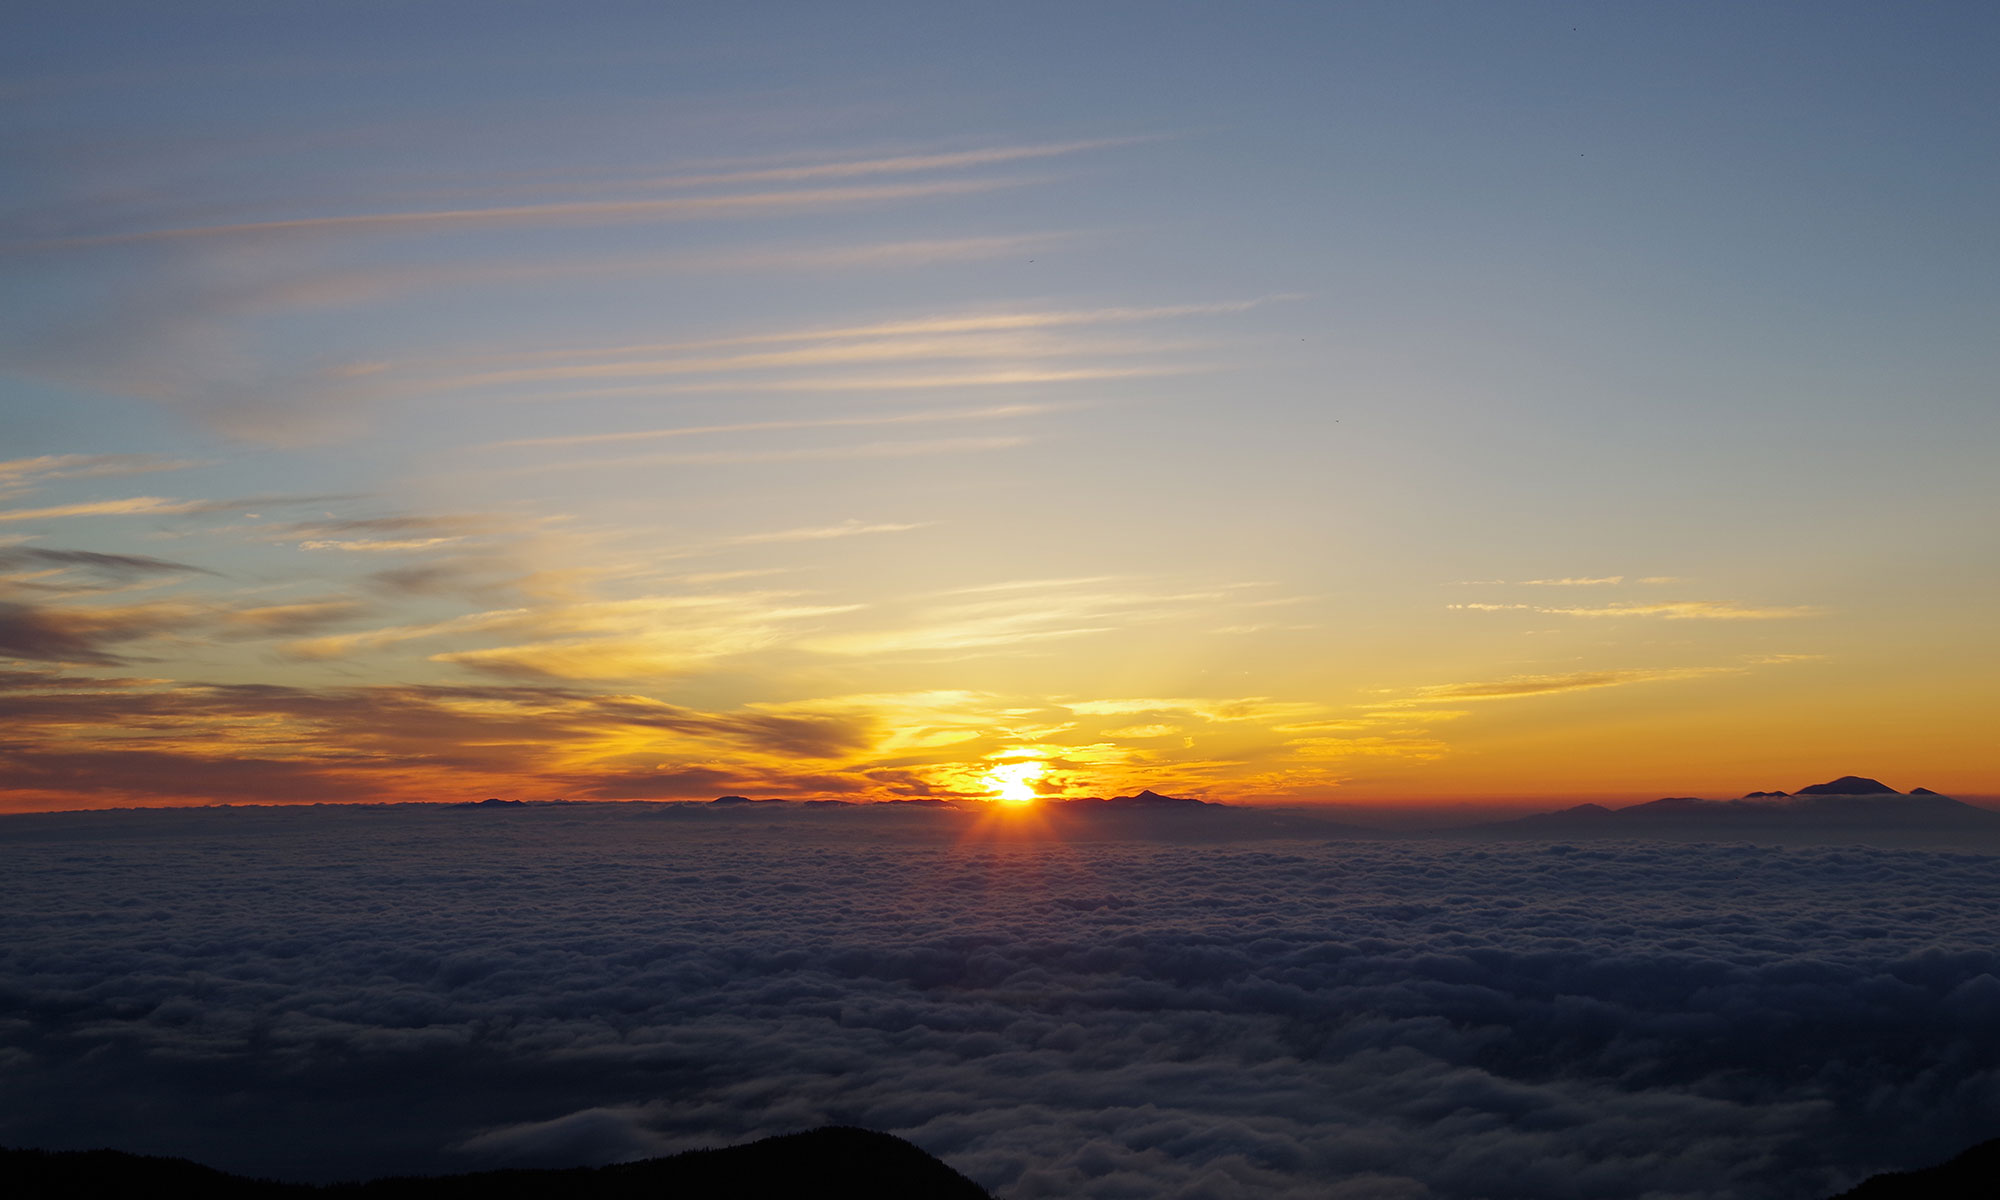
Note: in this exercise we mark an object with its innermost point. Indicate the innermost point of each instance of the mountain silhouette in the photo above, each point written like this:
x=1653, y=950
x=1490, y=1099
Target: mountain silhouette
x=1851, y=808
x=1973, y=1175
x=834, y=1163
x=1145, y=799
x=1850, y=785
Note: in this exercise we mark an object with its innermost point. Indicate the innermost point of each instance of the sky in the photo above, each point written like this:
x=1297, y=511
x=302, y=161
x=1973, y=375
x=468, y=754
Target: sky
x=1274, y=403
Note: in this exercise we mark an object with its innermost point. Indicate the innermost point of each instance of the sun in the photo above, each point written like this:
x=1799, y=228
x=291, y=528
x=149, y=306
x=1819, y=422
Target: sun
x=1014, y=782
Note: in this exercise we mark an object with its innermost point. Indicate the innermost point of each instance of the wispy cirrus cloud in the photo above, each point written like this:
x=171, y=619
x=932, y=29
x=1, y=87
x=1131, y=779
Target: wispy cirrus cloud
x=394, y=533
x=24, y=474
x=1013, y=618
x=636, y=199
x=156, y=506
x=292, y=620
x=835, y=453
x=557, y=212
x=820, y=533
x=125, y=506
x=1675, y=610
x=929, y=325
x=92, y=561
x=921, y=417
x=1572, y=681
x=642, y=637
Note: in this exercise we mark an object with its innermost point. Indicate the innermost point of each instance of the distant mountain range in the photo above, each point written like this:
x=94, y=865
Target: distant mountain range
x=828, y=1164
x=1851, y=804
x=1851, y=808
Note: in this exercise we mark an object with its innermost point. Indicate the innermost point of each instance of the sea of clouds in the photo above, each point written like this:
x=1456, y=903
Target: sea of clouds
x=343, y=992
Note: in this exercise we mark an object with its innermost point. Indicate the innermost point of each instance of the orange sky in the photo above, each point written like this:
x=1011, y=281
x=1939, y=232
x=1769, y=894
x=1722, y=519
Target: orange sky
x=1387, y=411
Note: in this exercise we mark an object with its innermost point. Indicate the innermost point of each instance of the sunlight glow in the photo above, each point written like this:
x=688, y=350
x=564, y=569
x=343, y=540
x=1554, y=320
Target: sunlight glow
x=1014, y=782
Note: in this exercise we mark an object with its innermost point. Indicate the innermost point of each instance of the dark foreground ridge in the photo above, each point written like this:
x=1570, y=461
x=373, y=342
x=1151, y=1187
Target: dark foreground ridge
x=1973, y=1175
x=834, y=1163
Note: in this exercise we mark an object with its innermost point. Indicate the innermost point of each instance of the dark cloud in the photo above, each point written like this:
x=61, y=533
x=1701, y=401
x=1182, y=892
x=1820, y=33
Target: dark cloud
x=81, y=635
x=33, y=557
x=475, y=577
x=343, y=991
x=141, y=772
x=42, y=681
x=409, y=742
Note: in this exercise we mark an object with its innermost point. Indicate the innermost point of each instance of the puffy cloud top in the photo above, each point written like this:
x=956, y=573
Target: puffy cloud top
x=329, y=993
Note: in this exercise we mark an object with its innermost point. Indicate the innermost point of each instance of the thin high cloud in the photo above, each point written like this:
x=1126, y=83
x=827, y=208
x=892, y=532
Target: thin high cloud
x=322, y=289
x=641, y=208
x=864, y=450
x=1677, y=610
x=820, y=533
x=1007, y=321
x=996, y=377
x=157, y=506
x=927, y=416
x=643, y=637
x=1574, y=681
x=871, y=352
x=125, y=506
x=893, y=164
x=396, y=534
x=353, y=287
x=94, y=562
x=25, y=474
x=1566, y=581
x=1005, y=620
x=572, y=212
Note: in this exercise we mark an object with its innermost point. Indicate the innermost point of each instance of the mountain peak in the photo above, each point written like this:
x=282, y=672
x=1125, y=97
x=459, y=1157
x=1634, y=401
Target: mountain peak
x=1850, y=785
x=1149, y=796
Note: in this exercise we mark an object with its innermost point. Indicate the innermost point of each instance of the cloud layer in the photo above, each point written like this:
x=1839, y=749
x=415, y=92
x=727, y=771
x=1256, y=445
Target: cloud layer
x=337, y=992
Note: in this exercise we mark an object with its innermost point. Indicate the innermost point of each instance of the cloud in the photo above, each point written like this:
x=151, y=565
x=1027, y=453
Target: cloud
x=156, y=506
x=1248, y=708
x=994, y=321
x=820, y=533
x=573, y=212
x=193, y=741
x=684, y=207
x=128, y=506
x=116, y=565
x=1678, y=610
x=1013, y=614
x=999, y=412
x=1696, y=610
x=595, y=639
x=1288, y=1019
x=23, y=474
x=1574, y=681
x=293, y=620
x=837, y=453
x=78, y=634
x=1412, y=748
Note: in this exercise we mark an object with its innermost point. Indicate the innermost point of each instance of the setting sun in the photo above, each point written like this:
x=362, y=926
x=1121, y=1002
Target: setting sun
x=1014, y=783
